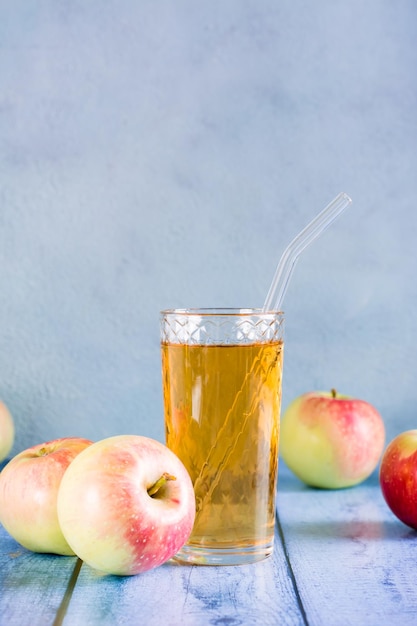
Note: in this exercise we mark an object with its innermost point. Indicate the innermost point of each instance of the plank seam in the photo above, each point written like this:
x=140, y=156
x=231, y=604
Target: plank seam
x=291, y=571
x=62, y=609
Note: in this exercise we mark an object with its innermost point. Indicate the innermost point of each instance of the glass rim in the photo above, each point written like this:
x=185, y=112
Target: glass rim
x=221, y=312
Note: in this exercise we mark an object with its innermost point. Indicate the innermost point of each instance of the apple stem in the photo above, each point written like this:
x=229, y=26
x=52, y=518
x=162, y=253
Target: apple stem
x=160, y=483
x=334, y=393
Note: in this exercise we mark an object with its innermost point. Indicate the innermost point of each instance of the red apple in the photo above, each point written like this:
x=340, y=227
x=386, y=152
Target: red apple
x=398, y=477
x=6, y=431
x=28, y=494
x=330, y=440
x=126, y=504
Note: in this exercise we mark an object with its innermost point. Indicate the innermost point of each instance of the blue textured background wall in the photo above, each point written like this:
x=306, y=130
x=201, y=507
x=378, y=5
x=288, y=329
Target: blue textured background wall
x=158, y=154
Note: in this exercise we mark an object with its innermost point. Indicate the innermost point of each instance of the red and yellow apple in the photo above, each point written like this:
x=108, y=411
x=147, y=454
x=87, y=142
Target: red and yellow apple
x=29, y=486
x=126, y=504
x=398, y=477
x=6, y=431
x=330, y=440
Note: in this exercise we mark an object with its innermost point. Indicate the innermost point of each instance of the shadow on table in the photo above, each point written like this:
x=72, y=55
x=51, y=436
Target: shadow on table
x=356, y=530
x=288, y=482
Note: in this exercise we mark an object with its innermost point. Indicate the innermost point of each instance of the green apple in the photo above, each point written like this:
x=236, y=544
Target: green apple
x=330, y=440
x=6, y=431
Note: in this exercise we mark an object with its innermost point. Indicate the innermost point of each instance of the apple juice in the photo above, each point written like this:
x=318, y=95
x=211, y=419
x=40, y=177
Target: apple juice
x=222, y=407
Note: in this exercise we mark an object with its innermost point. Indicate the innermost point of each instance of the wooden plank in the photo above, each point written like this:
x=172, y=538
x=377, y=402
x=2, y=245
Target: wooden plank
x=353, y=561
x=32, y=585
x=261, y=593
x=345, y=560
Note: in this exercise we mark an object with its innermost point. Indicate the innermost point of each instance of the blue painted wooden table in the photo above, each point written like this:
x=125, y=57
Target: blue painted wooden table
x=341, y=558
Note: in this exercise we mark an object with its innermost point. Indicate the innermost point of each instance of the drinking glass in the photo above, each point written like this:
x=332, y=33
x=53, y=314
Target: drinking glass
x=222, y=373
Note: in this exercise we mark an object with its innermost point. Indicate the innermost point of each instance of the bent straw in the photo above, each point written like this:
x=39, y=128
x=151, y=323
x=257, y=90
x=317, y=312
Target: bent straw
x=289, y=258
x=218, y=456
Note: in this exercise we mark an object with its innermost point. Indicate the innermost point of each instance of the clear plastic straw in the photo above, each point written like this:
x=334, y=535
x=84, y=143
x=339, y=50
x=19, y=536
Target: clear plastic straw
x=289, y=258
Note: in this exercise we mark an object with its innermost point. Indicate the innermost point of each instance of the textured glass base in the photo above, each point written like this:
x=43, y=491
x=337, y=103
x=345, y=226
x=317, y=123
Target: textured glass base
x=197, y=555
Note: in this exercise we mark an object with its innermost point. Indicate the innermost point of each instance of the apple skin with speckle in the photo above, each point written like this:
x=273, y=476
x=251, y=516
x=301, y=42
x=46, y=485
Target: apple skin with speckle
x=331, y=441
x=29, y=486
x=127, y=505
x=398, y=477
